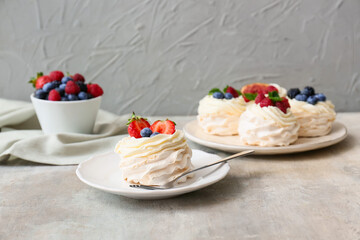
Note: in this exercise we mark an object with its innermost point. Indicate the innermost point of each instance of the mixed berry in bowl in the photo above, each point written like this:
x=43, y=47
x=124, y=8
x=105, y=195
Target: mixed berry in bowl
x=58, y=87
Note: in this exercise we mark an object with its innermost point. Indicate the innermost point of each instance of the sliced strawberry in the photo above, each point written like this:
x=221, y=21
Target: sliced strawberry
x=136, y=124
x=232, y=90
x=259, y=98
x=266, y=102
x=163, y=127
x=271, y=89
x=56, y=75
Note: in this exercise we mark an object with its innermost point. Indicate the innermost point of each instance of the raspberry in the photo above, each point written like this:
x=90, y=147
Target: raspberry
x=259, y=98
x=266, y=102
x=72, y=88
x=56, y=75
x=54, y=95
x=78, y=77
x=286, y=103
x=283, y=105
x=271, y=89
x=95, y=90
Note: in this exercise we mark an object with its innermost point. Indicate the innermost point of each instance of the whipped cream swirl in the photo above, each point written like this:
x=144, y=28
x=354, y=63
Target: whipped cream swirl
x=315, y=120
x=156, y=160
x=220, y=116
x=267, y=126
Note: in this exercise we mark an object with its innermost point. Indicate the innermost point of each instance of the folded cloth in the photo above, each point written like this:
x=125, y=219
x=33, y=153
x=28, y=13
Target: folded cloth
x=21, y=136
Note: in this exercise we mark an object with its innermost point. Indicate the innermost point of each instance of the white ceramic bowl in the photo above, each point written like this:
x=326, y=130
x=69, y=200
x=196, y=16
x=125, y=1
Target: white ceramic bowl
x=66, y=117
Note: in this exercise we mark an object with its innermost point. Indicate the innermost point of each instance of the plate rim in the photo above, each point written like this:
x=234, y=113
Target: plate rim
x=159, y=193
x=294, y=148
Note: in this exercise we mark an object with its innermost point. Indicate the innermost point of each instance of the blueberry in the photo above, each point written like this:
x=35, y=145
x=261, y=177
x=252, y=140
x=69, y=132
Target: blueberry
x=320, y=97
x=56, y=83
x=218, y=95
x=66, y=79
x=82, y=86
x=64, y=99
x=62, y=86
x=154, y=134
x=41, y=94
x=312, y=100
x=301, y=97
x=293, y=92
x=146, y=132
x=49, y=86
x=72, y=97
x=308, y=91
x=60, y=90
x=228, y=95
x=83, y=96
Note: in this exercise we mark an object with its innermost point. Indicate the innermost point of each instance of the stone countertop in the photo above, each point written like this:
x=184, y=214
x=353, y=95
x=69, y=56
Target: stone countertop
x=311, y=195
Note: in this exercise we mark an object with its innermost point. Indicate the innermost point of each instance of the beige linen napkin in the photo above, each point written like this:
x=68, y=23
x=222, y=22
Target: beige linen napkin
x=21, y=136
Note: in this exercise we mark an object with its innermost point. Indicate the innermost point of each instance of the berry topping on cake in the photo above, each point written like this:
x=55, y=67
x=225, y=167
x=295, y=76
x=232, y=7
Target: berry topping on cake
x=56, y=75
x=312, y=100
x=259, y=98
x=136, y=124
x=250, y=91
x=54, y=95
x=306, y=95
x=154, y=134
x=228, y=95
x=293, y=92
x=218, y=95
x=235, y=93
x=308, y=91
x=72, y=88
x=274, y=100
x=95, y=90
x=146, y=132
x=163, y=127
x=321, y=97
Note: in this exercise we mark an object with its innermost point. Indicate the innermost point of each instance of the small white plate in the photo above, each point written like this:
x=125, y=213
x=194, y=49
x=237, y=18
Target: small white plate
x=230, y=143
x=102, y=172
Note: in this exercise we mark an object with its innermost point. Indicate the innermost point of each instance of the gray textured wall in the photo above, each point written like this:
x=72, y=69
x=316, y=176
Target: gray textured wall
x=161, y=57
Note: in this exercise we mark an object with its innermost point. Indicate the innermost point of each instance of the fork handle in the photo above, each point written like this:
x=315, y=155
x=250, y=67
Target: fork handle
x=243, y=153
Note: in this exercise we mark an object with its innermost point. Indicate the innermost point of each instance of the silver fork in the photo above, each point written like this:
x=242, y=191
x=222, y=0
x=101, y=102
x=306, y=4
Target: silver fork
x=171, y=184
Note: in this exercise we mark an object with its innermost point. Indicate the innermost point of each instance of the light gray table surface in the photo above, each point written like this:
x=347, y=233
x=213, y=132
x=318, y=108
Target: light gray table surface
x=310, y=195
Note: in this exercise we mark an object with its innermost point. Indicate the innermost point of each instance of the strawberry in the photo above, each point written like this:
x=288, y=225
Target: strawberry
x=271, y=89
x=136, y=124
x=54, y=95
x=232, y=90
x=266, y=102
x=56, y=75
x=78, y=77
x=163, y=127
x=72, y=88
x=94, y=89
x=40, y=80
x=259, y=98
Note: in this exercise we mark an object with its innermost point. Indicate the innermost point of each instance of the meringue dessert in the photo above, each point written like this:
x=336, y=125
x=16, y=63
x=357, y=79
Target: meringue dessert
x=153, y=155
x=314, y=113
x=219, y=112
x=268, y=123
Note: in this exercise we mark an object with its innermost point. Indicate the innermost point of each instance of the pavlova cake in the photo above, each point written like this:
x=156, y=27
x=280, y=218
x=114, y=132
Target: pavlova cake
x=268, y=122
x=314, y=113
x=219, y=111
x=153, y=154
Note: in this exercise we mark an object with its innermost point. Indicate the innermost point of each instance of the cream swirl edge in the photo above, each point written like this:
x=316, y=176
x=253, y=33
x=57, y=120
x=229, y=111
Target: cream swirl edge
x=220, y=107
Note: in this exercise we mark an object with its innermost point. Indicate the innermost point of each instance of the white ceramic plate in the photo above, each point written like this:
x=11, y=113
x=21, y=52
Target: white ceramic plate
x=102, y=172
x=229, y=143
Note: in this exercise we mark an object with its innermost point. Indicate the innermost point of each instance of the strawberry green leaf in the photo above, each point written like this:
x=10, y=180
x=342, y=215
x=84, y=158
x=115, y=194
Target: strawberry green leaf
x=212, y=91
x=225, y=89
x=239, y=92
